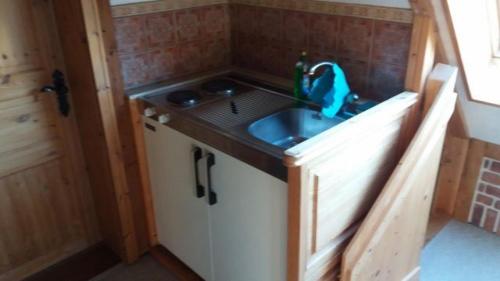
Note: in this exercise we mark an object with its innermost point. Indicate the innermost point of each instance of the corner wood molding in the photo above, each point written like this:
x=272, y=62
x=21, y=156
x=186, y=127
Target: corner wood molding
x=313, y=6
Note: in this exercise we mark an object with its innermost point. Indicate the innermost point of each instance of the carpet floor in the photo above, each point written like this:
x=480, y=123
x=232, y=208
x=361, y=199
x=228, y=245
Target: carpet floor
x=461, y=252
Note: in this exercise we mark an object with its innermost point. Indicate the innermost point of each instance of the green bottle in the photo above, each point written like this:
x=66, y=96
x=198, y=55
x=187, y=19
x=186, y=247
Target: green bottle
x=298, y=76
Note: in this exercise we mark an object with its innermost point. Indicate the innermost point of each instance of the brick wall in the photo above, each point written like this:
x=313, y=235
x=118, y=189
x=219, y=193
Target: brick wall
x=161, y=46
x=485, y=210
x=373, y=53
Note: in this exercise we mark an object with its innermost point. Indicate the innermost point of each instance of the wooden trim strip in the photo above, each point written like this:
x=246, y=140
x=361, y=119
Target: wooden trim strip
x=135, y=112
x=98, y=56
x=323, y=7
x=160, y=6
x=339, y=9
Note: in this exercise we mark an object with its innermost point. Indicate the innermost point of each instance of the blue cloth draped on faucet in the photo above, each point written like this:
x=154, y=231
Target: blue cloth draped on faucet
x=330, y=90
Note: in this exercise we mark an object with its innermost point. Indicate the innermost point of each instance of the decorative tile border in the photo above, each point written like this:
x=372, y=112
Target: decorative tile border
x=160, y=6
x=485, y=208
x=313, y=6
x=339, y=9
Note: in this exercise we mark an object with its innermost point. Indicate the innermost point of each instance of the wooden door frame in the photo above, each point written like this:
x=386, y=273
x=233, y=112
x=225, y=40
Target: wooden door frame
x=87, y=27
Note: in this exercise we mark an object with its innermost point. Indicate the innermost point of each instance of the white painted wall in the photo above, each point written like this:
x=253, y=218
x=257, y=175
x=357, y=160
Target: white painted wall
x=482, y=120
x=405, y=4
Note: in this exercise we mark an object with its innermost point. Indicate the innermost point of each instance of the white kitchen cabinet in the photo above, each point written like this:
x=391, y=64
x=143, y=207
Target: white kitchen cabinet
x=240, y=237
x=249, y=222
x=181, y=218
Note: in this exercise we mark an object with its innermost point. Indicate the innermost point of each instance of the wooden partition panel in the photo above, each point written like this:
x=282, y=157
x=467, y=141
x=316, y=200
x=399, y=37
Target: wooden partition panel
x=387, y=245
x=334, y=180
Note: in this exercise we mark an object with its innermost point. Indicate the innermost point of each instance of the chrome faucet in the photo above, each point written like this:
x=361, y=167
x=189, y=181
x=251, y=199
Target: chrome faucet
x=350, y=99
x=306, y=80
x=315, y=67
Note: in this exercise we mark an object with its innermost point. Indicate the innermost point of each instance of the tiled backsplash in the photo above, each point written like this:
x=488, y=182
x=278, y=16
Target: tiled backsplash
x=373, y=53
x=164, y=45
x=485, y=210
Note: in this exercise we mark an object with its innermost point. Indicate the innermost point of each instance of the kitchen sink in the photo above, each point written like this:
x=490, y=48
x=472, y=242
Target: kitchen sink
x=292, y=126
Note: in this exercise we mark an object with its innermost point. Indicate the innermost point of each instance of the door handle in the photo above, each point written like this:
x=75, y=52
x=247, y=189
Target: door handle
x=212, y=196
x=61, y=90
x=197, y=155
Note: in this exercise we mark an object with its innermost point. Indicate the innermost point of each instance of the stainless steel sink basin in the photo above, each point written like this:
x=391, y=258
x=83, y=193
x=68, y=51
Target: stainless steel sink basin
x=292, y=126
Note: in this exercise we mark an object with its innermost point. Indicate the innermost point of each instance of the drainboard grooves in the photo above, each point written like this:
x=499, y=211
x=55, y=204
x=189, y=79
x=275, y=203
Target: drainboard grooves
x=241, y=109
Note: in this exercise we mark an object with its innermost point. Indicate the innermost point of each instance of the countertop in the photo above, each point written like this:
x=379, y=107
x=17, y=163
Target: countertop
x=216, y=123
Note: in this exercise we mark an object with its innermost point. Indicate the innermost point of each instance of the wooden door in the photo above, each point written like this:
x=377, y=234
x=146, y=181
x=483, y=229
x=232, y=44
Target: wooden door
x=46, y=210
x=388, y=243
x=182, y=221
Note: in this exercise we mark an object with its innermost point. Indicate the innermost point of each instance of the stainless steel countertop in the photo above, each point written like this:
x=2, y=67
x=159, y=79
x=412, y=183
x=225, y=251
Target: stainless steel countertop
x=214, y=122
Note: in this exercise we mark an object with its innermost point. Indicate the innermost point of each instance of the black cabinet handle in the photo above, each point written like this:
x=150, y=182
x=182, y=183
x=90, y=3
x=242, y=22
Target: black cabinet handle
x=212, y=196
x=61, y=89
x=200, y=190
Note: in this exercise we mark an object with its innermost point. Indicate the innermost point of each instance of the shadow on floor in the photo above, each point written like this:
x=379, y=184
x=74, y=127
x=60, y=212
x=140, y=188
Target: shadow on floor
x=146, y=269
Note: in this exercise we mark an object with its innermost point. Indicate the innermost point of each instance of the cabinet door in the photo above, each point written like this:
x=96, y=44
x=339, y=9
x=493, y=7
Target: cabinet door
x=248, y=222
x=181, y=218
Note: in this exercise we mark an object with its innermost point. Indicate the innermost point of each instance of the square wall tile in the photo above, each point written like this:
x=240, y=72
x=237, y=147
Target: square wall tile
x=355, y=38
x=188, y=59
x=385, y=81
x=131, y=34
x=163, y=63
x=356, y=72
x=188, y=24
x=296, y=29
x=269, y=24
x=323, y=33
x=214, y=21
x=391, y=43
x=161, y=29
x=136, y=69
x=246, y=21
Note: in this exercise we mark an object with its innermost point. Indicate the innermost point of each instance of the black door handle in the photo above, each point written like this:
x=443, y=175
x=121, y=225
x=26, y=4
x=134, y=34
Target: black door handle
x=212, y=196
x=61, y=90
x=197, y=155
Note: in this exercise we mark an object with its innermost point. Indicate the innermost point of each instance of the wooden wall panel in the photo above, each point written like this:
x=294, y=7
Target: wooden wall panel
x=333, y=181
x=450, y=174
x=387, y=245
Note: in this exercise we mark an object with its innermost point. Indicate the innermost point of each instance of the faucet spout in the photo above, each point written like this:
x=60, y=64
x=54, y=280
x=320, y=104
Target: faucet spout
x=313, y=69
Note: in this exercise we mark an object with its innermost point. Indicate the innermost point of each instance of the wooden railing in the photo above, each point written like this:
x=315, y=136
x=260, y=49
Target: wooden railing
x=387, y=245
x=334, y=180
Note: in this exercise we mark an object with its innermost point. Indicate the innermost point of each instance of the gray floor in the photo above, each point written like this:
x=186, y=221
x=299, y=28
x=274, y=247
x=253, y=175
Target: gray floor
x=146, y=269
x=461, y=252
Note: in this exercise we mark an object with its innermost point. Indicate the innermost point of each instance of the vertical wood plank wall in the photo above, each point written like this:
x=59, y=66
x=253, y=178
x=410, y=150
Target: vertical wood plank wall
x=131, y=146
x=118, y=198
